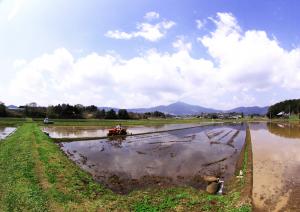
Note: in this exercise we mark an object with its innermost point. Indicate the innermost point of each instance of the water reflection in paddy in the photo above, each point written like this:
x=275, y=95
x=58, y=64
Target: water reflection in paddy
x=6, y=131
x=276, y=169
x=98, y=131
x=178, y=157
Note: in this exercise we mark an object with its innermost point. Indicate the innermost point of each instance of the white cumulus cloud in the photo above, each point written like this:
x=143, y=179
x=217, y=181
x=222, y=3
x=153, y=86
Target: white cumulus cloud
x=149, y=31
x=149, y=79
x=200, y=24
x=180, y=44
x=151, y=15
x=243, y=68
x=251, y=58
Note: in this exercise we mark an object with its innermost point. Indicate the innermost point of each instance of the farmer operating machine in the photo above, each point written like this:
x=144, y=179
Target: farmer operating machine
x=118, y=130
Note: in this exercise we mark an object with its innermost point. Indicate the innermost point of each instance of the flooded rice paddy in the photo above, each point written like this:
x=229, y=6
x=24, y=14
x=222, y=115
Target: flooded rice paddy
x=96, y=131
x=179, y=157
x=6, y=131
x=276, y=166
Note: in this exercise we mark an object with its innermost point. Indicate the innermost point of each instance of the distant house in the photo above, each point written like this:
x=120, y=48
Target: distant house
x=237, y=116
x=282, y=114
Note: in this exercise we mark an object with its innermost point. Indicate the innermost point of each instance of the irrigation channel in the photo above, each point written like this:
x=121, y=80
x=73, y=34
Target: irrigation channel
x=173, y=157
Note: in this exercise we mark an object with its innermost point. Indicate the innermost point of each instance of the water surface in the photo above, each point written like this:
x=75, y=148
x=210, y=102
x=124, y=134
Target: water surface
x=6, y=131
x=179, y=157
x=99, y=131
x=276, y=166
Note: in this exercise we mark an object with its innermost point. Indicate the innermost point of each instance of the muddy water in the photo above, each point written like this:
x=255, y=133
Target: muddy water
x=95, y=131
x=276, y=166
x=178, y=157
x=5, y=131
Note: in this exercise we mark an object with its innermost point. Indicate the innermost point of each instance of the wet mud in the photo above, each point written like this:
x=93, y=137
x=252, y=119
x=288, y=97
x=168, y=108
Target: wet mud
x=181, y=157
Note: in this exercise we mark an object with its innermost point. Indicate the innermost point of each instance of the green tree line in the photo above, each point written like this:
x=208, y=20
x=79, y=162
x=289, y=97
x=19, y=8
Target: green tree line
x=291, y=106
x=67, y=111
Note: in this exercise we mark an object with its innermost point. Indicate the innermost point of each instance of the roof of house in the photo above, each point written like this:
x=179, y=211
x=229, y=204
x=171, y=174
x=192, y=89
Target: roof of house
x=281, y=113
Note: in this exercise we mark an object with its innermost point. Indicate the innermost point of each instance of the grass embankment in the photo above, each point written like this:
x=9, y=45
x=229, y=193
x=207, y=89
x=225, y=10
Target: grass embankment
x=292, y=119
x=12, y=122
x=243, y=184
x=109, y=123
x=140, y=122
x=36, y=176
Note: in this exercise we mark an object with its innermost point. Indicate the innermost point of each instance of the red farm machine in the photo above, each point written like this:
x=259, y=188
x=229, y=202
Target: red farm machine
x=118, y=130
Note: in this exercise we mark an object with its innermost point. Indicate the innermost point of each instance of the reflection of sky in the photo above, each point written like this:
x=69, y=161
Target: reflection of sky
x=5, y=131
x=169, y=154
x=276, y=162
x=77, y=132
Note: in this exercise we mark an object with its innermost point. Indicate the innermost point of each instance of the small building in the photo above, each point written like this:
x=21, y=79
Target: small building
x=282, y=114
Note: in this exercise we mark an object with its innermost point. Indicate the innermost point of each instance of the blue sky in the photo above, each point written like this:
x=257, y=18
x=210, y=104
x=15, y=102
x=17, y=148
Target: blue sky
x=219, y=54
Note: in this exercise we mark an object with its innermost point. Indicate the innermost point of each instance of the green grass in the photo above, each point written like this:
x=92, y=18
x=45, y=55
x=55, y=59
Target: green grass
x=103, y=122
x=245, y=163
x=13, y=121
x=294, y=118
x=36, y=176
x=19, y=189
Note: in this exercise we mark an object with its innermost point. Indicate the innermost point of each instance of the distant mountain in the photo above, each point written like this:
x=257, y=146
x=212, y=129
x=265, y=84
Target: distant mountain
x=250, y=110
x=12, y=107
x=178, y=108
x=181, y=108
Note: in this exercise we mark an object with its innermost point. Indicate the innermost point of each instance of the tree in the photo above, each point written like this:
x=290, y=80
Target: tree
x=111, y=114
x=67, y=111
x=3, y=112
x=123, y=114
x=35, y=112
x=51, y=112
x=100, y=114
x=91, y=108
x=287, y=106
x=159, y=114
